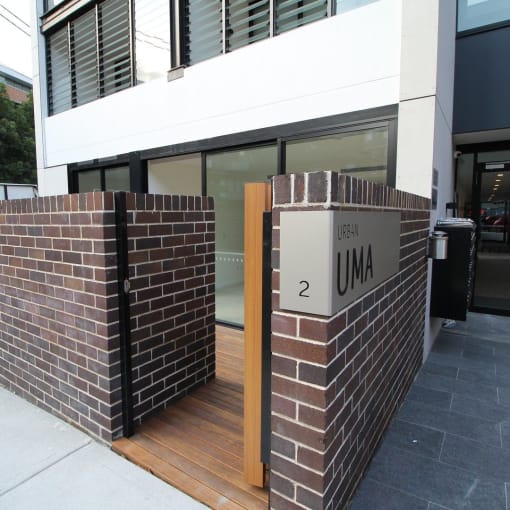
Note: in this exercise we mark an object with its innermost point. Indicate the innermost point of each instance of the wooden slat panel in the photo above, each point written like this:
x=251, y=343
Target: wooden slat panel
x=257, y=199
x=196, y=444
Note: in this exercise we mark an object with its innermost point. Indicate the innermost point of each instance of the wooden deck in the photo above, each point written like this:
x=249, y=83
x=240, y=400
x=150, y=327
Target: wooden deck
x=196, y=444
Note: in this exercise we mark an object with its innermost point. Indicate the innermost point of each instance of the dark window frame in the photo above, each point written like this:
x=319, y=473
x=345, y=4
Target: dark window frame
x=137, y=171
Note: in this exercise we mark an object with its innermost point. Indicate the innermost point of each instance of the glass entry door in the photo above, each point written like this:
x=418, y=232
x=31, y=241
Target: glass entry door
x=227, y=173
x=492, y=214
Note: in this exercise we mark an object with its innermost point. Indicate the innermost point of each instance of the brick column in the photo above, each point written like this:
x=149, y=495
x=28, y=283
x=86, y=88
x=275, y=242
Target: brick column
x=336, y=381
x=58, y=294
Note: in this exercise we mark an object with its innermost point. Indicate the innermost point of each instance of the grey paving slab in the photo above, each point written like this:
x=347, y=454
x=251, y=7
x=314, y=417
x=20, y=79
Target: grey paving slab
x=474, y=390
x=474, y=348
x=504, y=395
x=429, y=396
x=503, y=367
x=460, y=362
x=373, y=495
x=415, y=438
x=492, y=327
x=31, y=440
x=500, y=348
x=448, y=349
x=432, y=368
x=95, y=477
x=472, y=427
x=473, y=407
x=461, y=395
x=446, y=337
x=484, y=377
x=435, y=481
x=505, y=436
x=480, y=459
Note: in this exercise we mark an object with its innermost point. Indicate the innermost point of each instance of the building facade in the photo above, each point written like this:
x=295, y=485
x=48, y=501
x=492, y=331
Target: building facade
x=200, y=97
x=17, y=85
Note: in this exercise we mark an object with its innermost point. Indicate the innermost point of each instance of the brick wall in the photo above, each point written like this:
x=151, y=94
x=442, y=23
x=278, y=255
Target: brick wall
x=58, y=294
x=171, y=258
x=336, y=381
x=59, y=327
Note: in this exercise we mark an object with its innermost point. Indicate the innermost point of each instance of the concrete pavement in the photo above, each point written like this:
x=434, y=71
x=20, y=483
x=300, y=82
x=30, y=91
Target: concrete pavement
x=47, y=464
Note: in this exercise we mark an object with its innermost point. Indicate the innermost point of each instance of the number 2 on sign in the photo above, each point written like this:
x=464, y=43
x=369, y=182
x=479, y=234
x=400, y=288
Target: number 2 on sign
x=306, y=286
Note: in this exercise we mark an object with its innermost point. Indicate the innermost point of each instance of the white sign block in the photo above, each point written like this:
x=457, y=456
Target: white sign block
x=328, y=259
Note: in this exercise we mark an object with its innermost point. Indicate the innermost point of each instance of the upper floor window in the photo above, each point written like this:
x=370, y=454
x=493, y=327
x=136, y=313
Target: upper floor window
x=89, y=57
x=220, y=26
x=52, y=3
x=152, y=39
x=98, y=47
x=473, y=14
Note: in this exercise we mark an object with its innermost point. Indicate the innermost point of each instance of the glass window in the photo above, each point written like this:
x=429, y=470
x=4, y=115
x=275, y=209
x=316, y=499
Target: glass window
x=90, y=57
x=178, y=175
x=20, y=192
x=464, y=185
x=2, y=192
x=89, y=180
x=52, y=3
x=348, y=5
x=291, y=13
x=227, y=173
x=83, y=58
x=478, y=13
x=114, y=46
x=59, y=72
x=362, y=154
x=152, y=39
x=204, y=30
x=247, y=22
x=116, y=179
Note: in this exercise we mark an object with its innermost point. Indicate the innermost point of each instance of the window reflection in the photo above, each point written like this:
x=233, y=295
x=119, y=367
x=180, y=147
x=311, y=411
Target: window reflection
x=478, y=13
x=152, y=39
x=227, y=173
x=362, y=154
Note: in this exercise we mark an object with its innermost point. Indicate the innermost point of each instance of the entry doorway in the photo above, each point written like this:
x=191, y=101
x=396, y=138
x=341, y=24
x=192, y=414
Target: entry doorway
x=488, y=204
x=209, y=443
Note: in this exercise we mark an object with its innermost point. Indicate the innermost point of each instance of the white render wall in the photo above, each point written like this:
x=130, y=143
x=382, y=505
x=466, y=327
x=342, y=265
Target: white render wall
x=426, y=111
x=341, y=64
x=426, y=93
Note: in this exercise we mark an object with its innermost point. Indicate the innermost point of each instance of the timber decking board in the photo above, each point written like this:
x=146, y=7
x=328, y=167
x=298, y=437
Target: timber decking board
x=196, y=444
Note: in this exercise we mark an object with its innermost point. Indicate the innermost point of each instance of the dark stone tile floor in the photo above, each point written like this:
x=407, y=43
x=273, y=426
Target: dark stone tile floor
x=448, y=447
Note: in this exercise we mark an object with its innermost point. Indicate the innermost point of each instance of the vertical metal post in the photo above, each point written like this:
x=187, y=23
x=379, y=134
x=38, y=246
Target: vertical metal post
x=271, y=17
x=331, y=7
x=99, y=53
x=224, y=26
x=132, y=42
x=124, y=313
x=265, y=425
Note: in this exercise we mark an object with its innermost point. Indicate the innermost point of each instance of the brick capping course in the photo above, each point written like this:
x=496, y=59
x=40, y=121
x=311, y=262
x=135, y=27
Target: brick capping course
x=59, y=330
x=336, y=381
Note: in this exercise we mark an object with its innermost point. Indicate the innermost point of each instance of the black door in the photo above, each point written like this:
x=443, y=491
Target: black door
x=491, y=212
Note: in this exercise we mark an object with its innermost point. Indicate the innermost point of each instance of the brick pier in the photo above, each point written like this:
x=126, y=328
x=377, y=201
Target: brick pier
x=336, y=381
